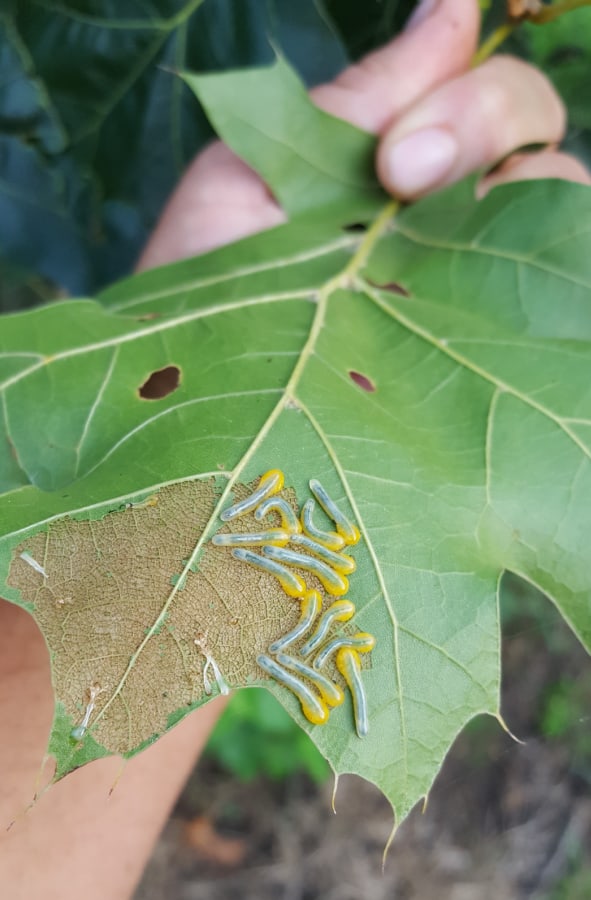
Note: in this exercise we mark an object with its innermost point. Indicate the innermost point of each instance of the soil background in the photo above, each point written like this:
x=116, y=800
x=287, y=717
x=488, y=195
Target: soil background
x=504, y=820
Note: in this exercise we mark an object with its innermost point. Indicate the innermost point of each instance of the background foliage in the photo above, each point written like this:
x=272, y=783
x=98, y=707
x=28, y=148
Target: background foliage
x=95, y=129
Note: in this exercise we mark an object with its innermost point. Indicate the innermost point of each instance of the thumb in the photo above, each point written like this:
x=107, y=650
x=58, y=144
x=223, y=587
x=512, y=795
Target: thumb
x=219, y=200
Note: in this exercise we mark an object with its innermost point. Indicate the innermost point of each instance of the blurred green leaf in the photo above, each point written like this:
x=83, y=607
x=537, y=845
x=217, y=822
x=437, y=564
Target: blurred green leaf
x=24, y=110
x=38, y=233
x=566, y=716
x=95, y=120
x=577, y=884
x=255, y=736
x=562, y=49
x=20, y=290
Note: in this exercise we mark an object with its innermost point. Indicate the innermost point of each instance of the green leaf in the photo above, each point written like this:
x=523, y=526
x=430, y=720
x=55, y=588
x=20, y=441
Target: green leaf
x=274, y=138
x=562, y=49
x=38, y=233
x=23, y=103
x=431, y=371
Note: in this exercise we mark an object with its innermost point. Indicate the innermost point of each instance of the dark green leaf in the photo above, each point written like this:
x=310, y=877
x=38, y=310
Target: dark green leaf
x=365, y=26
x=90, y=100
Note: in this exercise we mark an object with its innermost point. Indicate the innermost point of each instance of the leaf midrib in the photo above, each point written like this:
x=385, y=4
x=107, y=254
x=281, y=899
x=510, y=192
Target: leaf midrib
x=346, y=276
x=381, y=581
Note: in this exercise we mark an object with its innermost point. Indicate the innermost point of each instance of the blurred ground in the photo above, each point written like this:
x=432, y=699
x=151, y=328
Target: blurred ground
x=504, y=821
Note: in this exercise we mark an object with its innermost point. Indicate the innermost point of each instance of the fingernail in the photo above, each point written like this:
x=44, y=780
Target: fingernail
x=421, y=12
x=420, y=161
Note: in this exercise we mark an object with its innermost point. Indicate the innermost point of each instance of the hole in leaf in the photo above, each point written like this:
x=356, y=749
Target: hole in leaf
x=362, y=381
x=161, y=383
x=355, y=226
x=392, y=286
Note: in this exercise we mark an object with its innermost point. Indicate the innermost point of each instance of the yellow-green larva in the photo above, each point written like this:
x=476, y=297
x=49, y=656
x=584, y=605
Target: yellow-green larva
x=292, y=584
x=330, y=692
x=349, y=666
x=333, y=582
x=339, y=611
x=271, y=483
x=339, y=561
x=300, y=544
x=313, y=707
x=330, y=539
x=274, y=536
x=289, y=520
x=311, y=605
x=362, y=642
x=348, y=531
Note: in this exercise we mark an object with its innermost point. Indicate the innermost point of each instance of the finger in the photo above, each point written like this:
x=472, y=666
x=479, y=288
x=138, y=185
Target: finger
x=547, y=164
x=436, y=46
x=467, y=124
x=219, y=200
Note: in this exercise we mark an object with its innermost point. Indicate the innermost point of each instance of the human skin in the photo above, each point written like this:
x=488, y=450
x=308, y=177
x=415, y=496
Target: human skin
x=81, y=839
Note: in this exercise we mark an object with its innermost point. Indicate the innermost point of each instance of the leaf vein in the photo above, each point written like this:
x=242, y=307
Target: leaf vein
x=165, y=325
x=390, y=310
x=93, y=408
x=445, y=653
x=378, y=570
x=496, y=253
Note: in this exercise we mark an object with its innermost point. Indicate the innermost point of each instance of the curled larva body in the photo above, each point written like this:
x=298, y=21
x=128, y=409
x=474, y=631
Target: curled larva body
x=362, y=642
x=311, y=605
x=330, y=692
x=313, y=707
x=271, y=483
x=338, y=561
x=348, y=531
x=329, y=539
x=339, y=611
x=289, y=520
x=274, y=536
x=333, y=582
x=349, y=666
x=292, y=584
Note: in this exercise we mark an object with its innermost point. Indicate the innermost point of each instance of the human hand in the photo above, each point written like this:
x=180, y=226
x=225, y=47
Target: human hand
x=437, y=120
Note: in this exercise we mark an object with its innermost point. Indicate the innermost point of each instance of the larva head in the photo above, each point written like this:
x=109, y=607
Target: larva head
x=364, y=642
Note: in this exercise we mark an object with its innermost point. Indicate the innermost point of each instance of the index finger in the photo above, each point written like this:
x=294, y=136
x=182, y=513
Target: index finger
x=438, y=45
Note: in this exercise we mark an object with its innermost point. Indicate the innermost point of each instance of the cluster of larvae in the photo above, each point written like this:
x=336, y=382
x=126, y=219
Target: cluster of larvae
x=299, y=544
